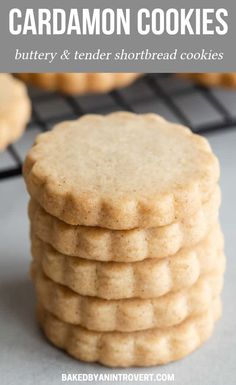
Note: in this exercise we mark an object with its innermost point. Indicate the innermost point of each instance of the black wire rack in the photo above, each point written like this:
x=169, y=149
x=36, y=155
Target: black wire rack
x=200, y=108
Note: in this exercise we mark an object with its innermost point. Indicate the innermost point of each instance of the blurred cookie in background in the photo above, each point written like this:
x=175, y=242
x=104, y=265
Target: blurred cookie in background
x=79, y=83
x=15, y=109
x=215, y=79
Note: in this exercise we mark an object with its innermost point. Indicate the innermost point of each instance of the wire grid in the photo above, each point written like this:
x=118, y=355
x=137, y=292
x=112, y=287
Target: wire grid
x=200, y=108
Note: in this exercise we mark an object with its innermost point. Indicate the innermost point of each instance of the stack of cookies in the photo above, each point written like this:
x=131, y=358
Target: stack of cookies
x=127, y=249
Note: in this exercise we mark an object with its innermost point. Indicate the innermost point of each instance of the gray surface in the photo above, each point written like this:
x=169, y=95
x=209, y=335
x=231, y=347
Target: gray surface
x=26, y=358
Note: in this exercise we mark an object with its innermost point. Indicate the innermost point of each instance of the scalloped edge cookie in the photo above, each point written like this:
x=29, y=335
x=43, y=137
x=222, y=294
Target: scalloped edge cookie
x=214, y=79
x=82, y=204
x=128, y=315
x=16, y=113
x=141, y=348
x=79, y=83
x=146, y=279
x=106, y=245
x=116, y=210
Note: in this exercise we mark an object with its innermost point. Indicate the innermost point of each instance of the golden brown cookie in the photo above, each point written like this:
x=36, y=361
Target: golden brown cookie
x=150, y=278
x=79, y=83
x=129, y=314
x=121, y=171
x=141, y=348
x=216, y=79
x=125, y=246
x=15, y=109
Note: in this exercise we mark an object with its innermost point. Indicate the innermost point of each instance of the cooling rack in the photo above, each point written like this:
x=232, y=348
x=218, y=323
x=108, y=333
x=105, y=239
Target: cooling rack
x=200, y=108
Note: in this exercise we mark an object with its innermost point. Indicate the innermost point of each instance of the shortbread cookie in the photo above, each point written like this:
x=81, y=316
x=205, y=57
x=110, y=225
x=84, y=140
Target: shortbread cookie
x=124, y=246
x=141, y=348
x=120, y=171
x=147, y=279
x=15, y=109
x=79, y=83
x=129, y=314
x=213, y=79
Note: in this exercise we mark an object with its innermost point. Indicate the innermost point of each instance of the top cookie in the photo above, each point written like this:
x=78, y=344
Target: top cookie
x=15, y=109
x=79, y=83
x=120, y=171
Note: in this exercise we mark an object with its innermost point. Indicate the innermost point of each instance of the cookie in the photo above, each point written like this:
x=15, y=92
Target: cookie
x=120, y=171
x=146, y=279
x=79, y=83
x=215, y=79
x=15, y=109
x=141, y=348
x=124, y=246
x=129, y=314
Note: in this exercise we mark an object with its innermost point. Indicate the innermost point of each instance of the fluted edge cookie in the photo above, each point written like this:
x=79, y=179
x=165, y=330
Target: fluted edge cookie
x=141, y=348
x=79, y=83
x=124, y=246
x=15, y=109
x=214, y=79
x=120, y=171
x=150, y=278
x=129, y=314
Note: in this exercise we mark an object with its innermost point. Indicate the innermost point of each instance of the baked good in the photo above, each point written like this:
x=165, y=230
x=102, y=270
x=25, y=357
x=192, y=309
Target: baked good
x=129, y=314
x=102, y=244
x=141, y=348
x=79, y=83
x=102, y=171
x=215, y=79
x=15, y=109
x=150, y=278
